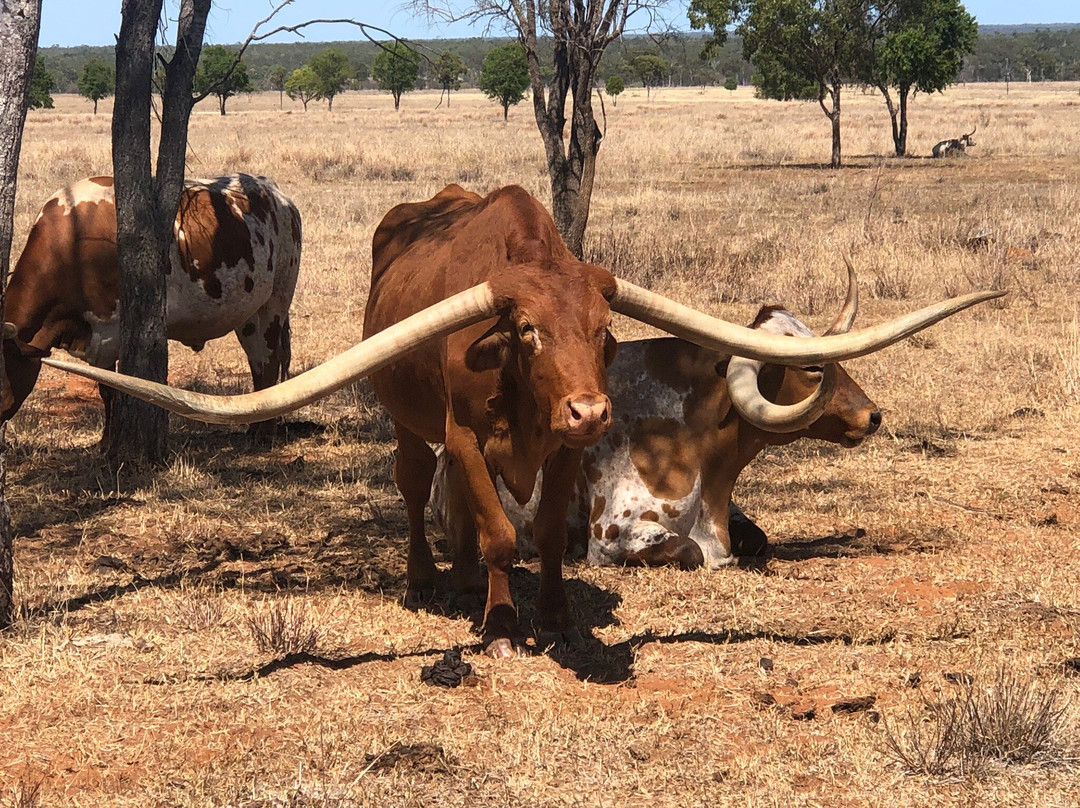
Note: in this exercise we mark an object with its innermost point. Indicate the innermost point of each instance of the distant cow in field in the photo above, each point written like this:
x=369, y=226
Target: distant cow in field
x=955, y=146
x=657, y=488
x=234, y=265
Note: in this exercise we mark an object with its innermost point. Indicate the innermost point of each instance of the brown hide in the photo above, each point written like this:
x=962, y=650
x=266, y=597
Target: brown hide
x=68, y=273
x=506, y=396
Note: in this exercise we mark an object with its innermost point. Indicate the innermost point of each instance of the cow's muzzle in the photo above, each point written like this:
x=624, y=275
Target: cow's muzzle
x=583, y=419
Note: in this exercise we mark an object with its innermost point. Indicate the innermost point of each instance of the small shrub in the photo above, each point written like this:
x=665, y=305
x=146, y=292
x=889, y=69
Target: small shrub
x=1012, y=721
x=284, y=629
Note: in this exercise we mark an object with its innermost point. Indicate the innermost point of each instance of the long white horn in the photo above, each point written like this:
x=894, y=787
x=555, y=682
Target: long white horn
x=746, y=397
x=725, y=337
x=846, y=318
x=364, y=358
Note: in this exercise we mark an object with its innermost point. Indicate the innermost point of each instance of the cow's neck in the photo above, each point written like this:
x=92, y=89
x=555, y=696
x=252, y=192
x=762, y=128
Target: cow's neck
x=516, y=447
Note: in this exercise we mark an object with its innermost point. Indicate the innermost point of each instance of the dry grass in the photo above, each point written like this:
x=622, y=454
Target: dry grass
x=946, y=545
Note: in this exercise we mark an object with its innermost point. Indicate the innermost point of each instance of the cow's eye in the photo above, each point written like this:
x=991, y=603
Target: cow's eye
x=527, y=330
x=814, y=369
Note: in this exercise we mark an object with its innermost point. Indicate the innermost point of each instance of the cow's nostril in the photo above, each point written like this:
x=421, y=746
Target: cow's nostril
x=604, y=416
x=875, y=419
x=575, y=413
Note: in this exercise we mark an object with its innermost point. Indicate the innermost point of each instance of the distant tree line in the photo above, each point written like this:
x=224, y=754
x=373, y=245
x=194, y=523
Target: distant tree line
x=1044, y=54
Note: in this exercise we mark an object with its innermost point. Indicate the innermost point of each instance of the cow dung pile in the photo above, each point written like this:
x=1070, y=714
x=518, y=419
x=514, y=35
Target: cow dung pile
x=449, y=671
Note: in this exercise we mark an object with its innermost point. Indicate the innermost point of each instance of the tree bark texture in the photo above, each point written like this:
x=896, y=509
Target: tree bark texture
x=19, y=24
x=146, y=206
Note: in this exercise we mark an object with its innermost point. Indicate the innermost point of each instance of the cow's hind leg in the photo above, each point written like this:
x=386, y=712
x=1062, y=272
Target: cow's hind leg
x=413, y=472
x=266, y=340
x=466, y=577
x=650, y=544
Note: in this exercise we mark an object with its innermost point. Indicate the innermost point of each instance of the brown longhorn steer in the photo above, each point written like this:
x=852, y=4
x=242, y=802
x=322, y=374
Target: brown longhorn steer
x=521, y=388
x=657, y=488
x=234, y=267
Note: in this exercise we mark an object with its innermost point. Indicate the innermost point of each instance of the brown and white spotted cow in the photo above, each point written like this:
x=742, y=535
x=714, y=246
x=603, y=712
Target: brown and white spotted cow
x=657, y=487
x=234, y=265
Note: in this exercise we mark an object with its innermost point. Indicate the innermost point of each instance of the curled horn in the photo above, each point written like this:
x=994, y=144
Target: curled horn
x=10, y=330
x=846, y=318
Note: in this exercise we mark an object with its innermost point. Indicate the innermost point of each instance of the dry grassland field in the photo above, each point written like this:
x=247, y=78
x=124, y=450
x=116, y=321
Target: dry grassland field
x=230, y=632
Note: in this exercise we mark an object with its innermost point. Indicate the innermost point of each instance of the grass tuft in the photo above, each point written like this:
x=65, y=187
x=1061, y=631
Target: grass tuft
x=284, y=628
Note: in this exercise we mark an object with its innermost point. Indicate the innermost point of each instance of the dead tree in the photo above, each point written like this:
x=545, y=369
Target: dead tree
x=19, y=23
x=579, y=31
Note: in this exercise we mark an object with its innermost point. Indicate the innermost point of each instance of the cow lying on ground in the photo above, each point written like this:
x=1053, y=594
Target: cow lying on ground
x=484, y=333
x=234, y=266
x=954, y=146
x=657, y=488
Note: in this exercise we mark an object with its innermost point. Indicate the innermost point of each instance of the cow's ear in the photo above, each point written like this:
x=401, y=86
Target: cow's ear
x=491, y=349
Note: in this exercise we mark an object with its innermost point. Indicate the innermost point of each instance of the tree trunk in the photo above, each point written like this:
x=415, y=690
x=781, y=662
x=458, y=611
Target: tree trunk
x=397, y=100
x=95, y=106
x=281, y=99
x=221, y=105
x=330, y=104
x=901, y=146
x=146, y=211
x=19, y=23
x=833, y=115
x=506, y=112
x=893, y=119
x=138, y=431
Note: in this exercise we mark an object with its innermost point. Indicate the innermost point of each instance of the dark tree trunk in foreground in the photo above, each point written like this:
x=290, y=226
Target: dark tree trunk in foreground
x=19, y=22
x=146, y=208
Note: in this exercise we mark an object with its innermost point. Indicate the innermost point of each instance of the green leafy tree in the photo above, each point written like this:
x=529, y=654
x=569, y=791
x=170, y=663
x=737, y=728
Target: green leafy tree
x=801, y=49
x=333, y=70
x=98, y=80
x=302, y=85
x=220, y=74
x=731, y=84
x=504, y=76
x=449, y=69
x=277, y=77
x=614, y=87
x=42, y=84
x=921, y=49
x=395, y=69
x=651, y=69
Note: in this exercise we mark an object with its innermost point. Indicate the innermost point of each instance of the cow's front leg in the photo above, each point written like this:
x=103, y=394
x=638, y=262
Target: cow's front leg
x=498, y=542
x=710, y=531
x=747, y=539
x=549, y=529
x=413, y=472
x=466, y=577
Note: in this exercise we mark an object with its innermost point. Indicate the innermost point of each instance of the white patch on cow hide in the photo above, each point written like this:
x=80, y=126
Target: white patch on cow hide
x=103, y=347
x=785, y=324
x=82, y=192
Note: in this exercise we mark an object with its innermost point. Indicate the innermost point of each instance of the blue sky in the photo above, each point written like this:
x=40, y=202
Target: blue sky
x=95, y=22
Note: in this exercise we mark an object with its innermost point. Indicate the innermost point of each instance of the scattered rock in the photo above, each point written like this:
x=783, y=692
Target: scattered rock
x=804, y=711
x=420, y=756
x=914, y=679
x=1072, y=665
x=763, y=699
x=450, y=671
x=107, y=563
x=638, y=754
x=854, y=705
x=1027, y=412
x=765, y=664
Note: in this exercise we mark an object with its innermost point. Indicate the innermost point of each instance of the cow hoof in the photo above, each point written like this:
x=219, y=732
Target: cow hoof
x=504, y=648
x=569, y=638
